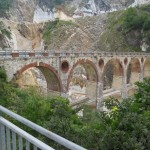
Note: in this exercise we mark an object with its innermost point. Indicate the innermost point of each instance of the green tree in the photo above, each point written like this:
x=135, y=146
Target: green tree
x=4, y=6
x=125, y=125
x=136, y=19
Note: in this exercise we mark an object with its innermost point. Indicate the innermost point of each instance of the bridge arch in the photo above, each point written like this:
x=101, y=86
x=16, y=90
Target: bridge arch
x=147, y=68
x=52, y=79
x=133, y=70
x=90, y=78
x=112, y=76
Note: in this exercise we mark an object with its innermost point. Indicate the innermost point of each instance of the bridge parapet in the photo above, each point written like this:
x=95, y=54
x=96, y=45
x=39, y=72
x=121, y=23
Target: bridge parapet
x=27, y=54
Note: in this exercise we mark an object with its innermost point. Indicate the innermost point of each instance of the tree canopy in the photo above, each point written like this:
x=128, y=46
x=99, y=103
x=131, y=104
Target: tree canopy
x=125, y=126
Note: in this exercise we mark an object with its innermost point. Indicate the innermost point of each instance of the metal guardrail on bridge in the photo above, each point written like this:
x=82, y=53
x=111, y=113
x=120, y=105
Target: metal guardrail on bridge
x=8, y=142
x=29, y=53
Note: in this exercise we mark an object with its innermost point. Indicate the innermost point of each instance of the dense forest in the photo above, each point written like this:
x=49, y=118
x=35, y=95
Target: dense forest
x=126, y=124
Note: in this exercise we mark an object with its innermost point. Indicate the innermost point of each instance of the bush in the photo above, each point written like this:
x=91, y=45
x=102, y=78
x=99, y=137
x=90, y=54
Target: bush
x=146, y=25
x=4, y=31
x=53, y=26
x=4, y=6
x=136, y=19
x=125, y=126
x=3, y=76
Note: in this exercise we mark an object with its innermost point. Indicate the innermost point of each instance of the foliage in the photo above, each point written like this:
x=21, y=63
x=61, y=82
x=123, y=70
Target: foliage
x=131, y=119
x=4, y=6
x=136, y=19
x=3, y=76
x=50, y=4
x=59, y=1
x=4, y=31
x=126, y=30
x=54, y=25
x=126, y=124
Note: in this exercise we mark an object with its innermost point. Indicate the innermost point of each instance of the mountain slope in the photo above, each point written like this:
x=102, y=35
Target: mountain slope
x=44, y=10
x=97, y=31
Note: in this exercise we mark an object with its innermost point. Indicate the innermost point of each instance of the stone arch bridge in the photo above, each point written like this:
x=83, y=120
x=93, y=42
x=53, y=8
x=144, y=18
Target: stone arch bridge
x=107, y=73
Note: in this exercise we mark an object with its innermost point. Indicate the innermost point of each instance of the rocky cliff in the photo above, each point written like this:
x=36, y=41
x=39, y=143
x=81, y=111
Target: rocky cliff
x=84, y=26
x=44, y=10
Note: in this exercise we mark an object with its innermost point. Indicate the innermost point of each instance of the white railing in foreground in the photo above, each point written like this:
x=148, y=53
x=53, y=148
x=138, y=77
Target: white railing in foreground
x=7, y=128
x=6, y=140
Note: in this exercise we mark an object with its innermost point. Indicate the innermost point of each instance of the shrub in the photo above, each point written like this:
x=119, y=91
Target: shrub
x=3, y=76
x=136, y=19
x=53, y=26
x=146, y=25
x=4, y=31
x=125, y=126
x=4, y=6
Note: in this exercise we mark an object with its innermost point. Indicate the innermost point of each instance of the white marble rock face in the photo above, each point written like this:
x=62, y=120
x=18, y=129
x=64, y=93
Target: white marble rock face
x=34, y=11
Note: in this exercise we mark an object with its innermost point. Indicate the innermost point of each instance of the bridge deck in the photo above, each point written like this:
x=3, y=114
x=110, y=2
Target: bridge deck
x=27, y=54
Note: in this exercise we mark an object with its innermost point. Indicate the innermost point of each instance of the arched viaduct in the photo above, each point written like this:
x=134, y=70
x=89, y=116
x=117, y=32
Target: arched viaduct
x=105, y=71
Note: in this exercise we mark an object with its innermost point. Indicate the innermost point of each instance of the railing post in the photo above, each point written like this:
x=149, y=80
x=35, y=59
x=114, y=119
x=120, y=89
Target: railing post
x=2, y=135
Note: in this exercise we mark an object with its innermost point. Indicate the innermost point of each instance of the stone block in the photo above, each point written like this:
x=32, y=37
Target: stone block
x=31, y=54
x=15, y=54
x=57, y=54
x=46, y=54
x=67, y=54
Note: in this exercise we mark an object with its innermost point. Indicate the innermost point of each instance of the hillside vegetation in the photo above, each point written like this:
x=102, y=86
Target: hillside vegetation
x=5, y=34
x=125, y=126
x=78, y=35
x=4, y=6
x=56, y=33
x=127, y=30
x=50, y=4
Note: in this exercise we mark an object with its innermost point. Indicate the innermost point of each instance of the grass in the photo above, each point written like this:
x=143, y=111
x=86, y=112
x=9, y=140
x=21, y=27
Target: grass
x=4, y=31
x=57, y=32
